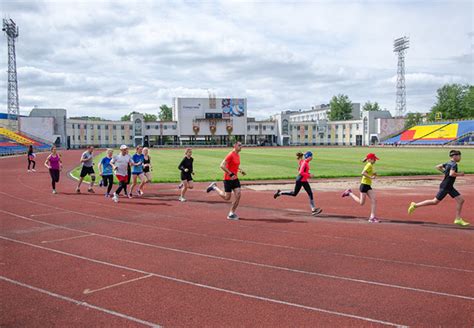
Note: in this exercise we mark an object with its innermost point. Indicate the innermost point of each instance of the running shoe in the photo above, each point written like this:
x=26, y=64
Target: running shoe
x=101, y=183
x=182, y=199
x=374, y=220
x=29, y=170
x=139, y=192
x=277, y=194
x=115, y=198
x=78, y=191
x=180, y=186
x=233, y=217
x=461, y=222
x=411, y=208
x=107, y=195
x=91, y=190
x=54, y=191
x=130, y=195
x=33, y=170
x=346, y=193
x=211, y=187
x=316, y=211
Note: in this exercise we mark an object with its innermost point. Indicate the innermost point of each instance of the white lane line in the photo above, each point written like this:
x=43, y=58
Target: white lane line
x=256, y=264
x=90, y=291
x=48, y=214
x=80, y=303
x=252, y=242
x=206, y=286
x=63, y=239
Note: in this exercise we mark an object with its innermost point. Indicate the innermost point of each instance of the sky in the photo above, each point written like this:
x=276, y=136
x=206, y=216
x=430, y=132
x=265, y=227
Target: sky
x=108, y=58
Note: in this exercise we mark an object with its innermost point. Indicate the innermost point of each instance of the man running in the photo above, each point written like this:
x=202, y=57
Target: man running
x=87, y=169
x=120, y=165
x=230, y=166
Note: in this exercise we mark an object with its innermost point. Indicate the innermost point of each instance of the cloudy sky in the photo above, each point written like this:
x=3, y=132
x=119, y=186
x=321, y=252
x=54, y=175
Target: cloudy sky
x=107, y=58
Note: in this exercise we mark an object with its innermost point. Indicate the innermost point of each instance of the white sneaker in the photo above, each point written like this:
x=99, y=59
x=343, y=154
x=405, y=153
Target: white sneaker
x=54, y=191
x=29, y=170
x=182, y=199
x=115, y=198
x=33, y=170
x=232, y=216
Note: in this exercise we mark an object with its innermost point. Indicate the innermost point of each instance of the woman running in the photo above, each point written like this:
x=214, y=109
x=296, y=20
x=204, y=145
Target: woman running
x=146, y=166
x=302, y=181
x=120, y=165
x=186, y=168
x=31, y=158
x=368, y=174
x=107, y=172
x=54, y=164
x=137, y=171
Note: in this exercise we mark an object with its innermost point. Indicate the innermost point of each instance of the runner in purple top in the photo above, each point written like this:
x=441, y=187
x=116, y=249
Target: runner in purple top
x=54, y=164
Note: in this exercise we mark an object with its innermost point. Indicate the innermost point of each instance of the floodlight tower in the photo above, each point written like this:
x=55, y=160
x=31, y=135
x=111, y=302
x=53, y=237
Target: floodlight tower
x=11, y=30
x=399, y=46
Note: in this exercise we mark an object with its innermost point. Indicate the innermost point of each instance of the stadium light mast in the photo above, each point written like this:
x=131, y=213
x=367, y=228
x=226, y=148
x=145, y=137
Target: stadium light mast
x=400, y=45
x=11, y=30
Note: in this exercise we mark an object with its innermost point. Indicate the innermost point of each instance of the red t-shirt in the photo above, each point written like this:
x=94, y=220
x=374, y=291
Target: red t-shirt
x=233, y=163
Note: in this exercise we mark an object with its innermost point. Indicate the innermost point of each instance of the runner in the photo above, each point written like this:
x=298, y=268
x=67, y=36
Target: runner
x=186, y=168
x=54, y=164
x=368, y=174
x=120, y=164
x=87, y=169
x=137, y=171
x=302, y=181
x=106, y=171
x=230, y=166
x=146, y=166
x=31, y=158
x=450, y=170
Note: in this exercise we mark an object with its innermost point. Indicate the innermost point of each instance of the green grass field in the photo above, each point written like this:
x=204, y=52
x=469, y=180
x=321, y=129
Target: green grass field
x=280, y=163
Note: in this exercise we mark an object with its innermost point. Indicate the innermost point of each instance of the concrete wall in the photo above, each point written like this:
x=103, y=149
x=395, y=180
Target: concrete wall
x=41, y=127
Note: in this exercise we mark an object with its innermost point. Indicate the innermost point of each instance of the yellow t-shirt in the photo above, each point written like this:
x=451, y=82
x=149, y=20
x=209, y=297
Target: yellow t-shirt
x=369, y=169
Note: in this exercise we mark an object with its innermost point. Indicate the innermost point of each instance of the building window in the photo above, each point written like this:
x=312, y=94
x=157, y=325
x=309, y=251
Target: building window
x=92, y=126
x=85, y=126
x=131, y=138
x=123, y=137
x=114, y=127
x=351, y=136
x=174, y=127
x=73, y=137
x=264, y=128
x=337, y=136
x=156, y=127
x=165, y=127
x=99, y=137
x=78, y=137
x=106, y=127
x=248, y=127
x=122, y=127
x=256, y=127
x=107, y=138
x=329, y=136
x=92, y=138
x=344, y=136
x=148, y=127
x=115, y=138
x=272, y=127
x=357, y=126
x=73, y=126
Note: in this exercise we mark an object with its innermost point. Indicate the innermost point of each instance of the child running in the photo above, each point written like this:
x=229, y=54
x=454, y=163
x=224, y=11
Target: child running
x=368, y=174
x=54, y=164
x=302, y=181
x=450, y=170
x=31, y=158
x=186, y=168
x=87, y=169
x=146, y=166
x=137, y=171
x=107, y=172
x=231, y=166
x=120, y=165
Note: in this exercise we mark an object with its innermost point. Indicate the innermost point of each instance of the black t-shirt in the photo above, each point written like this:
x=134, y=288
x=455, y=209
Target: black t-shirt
x=146, y=161
x=448, y=181
x=186, y=163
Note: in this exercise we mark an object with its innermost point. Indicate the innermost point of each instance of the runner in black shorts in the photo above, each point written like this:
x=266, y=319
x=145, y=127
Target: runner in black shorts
x=186, y=168
x=87, y=169
x=450, y=170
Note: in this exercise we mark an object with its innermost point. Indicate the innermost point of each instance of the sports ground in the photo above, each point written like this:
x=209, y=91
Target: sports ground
x=81, y=260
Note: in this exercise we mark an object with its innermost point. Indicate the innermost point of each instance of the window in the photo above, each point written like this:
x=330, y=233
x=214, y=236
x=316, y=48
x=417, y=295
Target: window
x=73, y=137
x=337, y=136
x=329, y=136
x=131, y=138
x=344, y=136
x=92, y=138
x=264, y=128
x=306, y=136
x=107, y=138
x=92, y=126
x=165, y=127
x=114, y=127
x=98, y=127
x=73, y=126
x=174, y=127
x=248, y=127
x=106, y=127
x=100, y=137
x=351, y=136
x=115, y=138
x=123, y=137
x=78, y=137
x=122, y=127
x=148, y=127
x=357, y=126
x=85, y=126
x=272, y=127
x=306, y=128
x=256, y=127
x=157, y=127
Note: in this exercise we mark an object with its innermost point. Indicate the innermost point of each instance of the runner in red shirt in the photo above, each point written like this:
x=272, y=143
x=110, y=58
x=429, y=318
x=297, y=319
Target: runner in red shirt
x=231, y=167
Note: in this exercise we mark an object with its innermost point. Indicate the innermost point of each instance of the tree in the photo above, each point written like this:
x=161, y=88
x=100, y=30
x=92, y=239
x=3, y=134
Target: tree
x=369, y=107
x=128, y=117
x=150, y=117
x=341, y=108
x=455, y=101
x=166, y=113
x=413, y=119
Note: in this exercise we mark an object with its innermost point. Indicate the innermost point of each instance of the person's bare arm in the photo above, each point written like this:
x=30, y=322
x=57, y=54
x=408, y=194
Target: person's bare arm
x=440, y=167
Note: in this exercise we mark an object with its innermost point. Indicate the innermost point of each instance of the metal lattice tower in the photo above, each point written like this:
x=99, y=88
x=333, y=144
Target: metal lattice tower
x=399, y=46
x=11, y=31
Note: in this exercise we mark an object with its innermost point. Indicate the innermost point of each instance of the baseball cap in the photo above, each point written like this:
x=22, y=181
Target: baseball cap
x=308, y=154
x=123, y=147
x=372, y=157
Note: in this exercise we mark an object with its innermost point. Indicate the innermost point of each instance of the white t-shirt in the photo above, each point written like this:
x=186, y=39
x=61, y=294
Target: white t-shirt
x=121, y=162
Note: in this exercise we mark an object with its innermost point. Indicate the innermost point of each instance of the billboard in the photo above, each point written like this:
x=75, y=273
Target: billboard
x=232, y=107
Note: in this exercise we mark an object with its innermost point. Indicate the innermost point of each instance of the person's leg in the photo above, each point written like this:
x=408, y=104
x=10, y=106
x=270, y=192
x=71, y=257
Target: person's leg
x=184, y=188
x=91, y=184
x=53, y=180
x=373, y=202
x=459, y=204
x=29, y=163
x=79, y=183
x=143, y=181
x=122, y=186
x=308, y=190
x=110, y=182
x=235, y=202
x=34, y=165
x=294, y=192
x=134, y=183
x=190, y=184
x=224, y=194
x=360, y=200
x=429, y=202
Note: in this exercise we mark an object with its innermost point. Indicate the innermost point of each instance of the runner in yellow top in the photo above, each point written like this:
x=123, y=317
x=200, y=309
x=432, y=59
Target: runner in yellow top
x=368, y=174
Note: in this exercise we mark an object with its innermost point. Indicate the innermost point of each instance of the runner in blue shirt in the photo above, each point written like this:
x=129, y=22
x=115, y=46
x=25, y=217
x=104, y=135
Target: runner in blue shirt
x=137, y=171
x=106, y=171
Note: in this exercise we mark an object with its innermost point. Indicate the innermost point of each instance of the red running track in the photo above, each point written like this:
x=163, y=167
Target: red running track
x=82, y=260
